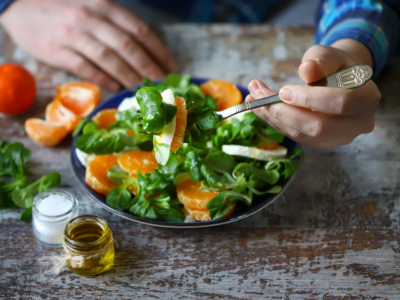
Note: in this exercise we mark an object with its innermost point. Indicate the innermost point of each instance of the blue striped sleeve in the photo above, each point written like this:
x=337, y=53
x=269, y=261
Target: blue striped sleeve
x=371, y=22
x=4, y=4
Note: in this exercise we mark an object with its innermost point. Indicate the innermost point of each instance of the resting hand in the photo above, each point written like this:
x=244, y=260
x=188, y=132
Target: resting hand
x=322, y=117
x=97, y=40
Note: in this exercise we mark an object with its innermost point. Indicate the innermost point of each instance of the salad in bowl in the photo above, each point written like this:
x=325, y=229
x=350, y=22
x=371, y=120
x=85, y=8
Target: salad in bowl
x=152, y=157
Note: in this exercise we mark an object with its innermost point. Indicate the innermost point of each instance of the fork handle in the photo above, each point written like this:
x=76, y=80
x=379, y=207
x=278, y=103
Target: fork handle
x=257, y=103
x=350, y=78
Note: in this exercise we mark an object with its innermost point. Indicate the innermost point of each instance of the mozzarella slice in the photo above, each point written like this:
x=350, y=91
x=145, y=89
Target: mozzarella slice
x=84, y=158
x=189, y=219
x=128, y=103
x=255, y=153
x=167, y=133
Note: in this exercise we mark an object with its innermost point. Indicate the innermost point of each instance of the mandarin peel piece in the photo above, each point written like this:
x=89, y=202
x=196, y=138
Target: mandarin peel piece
x=80, y=97
x=57, y=113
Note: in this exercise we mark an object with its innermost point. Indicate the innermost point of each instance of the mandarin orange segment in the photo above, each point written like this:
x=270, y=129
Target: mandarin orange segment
x=201, y=215
x=45, y=133
x=96, y=173
x=225, y=93
x=105, y=118
x=180, y=127
x=79, y=97
x=57, y=113
x=192, y=196
x=130, y=132
x=268, y=145
x=143, y=161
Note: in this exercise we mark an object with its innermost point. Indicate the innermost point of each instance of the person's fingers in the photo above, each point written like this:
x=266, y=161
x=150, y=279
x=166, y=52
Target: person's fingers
x=310, y=128
x=106, y=59
x=320, y=61
x=75, y=63
x=126, y=47
x=259, y=90
x=332, y=100
x=257, y=86
x=132, y=24
x=318, y=125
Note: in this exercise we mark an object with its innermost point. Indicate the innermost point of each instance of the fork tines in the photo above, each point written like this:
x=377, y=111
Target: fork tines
x=141, y=125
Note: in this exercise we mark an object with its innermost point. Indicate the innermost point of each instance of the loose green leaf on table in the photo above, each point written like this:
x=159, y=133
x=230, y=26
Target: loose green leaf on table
x=27, y=213
x=16, y=190
x=23, y=197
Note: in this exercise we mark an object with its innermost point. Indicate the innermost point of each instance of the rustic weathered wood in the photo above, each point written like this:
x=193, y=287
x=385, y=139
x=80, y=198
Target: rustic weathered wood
x=332, y=235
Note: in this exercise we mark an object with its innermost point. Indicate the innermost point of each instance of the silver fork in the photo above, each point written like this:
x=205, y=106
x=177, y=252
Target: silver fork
x=350, y=78
x=141, y=125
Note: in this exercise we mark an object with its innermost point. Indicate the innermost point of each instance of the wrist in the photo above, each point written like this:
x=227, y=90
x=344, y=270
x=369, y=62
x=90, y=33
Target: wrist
x=359, y=53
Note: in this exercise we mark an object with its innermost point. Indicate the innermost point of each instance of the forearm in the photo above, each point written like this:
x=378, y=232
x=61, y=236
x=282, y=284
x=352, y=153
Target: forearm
x=358, y=51
x=370, y=22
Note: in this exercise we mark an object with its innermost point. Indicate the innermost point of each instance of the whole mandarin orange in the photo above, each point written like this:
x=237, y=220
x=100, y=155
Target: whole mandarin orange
x=17, y=89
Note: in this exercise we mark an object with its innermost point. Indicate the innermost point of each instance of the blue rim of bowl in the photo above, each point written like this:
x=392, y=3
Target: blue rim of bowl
x=79, y=171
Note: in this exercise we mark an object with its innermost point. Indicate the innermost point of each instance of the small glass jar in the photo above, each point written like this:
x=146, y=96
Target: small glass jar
x=89, y=243
x=49, y=222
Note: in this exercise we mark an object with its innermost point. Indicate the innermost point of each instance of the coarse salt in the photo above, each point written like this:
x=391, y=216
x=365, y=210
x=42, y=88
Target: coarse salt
x=51, y=211
x=54, y=205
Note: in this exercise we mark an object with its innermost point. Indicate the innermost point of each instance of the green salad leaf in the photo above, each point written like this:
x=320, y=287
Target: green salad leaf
x=117, y=175
x=16, y=190
x=27, y=213
x=80, y=126
x=155, y=193
x=156, y=113
x=218, y=206
x=117, y=138
x=119, y=198
x=23, y=197
x=251, y=131
x=200, y=158
x=13, y=158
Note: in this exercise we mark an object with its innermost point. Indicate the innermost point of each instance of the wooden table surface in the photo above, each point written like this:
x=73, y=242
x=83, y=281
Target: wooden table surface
x=334, y=234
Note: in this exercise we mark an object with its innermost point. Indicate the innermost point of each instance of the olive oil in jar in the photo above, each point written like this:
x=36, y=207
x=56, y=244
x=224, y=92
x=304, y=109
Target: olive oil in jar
x=89, y=242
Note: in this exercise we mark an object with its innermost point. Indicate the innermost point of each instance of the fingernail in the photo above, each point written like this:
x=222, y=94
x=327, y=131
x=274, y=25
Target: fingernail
x=286, y=94
x=113, y=86
x=316, y=60
x=253, y=87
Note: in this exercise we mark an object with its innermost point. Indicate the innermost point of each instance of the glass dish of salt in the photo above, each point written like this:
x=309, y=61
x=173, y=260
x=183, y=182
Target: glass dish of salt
x=51, y=211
